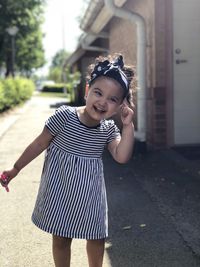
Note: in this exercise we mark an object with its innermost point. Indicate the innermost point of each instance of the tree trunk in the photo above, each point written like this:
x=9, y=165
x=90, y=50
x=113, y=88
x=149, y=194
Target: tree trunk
x=9, y=67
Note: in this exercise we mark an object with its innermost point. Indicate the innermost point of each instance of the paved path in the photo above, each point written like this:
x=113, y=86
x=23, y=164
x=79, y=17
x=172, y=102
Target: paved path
x=153, y=205
x=21, y=243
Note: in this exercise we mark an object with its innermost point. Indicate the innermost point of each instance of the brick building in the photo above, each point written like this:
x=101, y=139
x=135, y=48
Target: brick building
x=169, y=104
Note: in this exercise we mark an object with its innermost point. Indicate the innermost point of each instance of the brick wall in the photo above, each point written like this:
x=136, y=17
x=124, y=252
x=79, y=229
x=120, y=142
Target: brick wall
x=123, y=39
x=159, y=88
x=159, y=117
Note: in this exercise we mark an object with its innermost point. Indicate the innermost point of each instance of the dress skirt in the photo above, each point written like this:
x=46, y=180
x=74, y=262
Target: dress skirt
x=71, y=200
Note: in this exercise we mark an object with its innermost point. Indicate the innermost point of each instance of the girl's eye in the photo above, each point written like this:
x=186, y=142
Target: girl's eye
x=97, y=93
x=114, y=100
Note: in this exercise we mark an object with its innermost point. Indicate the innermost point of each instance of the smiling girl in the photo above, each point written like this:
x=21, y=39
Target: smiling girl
x=71, y=201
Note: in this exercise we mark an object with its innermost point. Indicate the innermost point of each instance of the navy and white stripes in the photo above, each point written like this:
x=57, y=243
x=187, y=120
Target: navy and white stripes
x=75, y=138
x=72, y=200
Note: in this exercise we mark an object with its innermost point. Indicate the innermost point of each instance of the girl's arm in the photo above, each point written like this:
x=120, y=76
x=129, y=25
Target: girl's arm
x=30, y=153
x=121, y=149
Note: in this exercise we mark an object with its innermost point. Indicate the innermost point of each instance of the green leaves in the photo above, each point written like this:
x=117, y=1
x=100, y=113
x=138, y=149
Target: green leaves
x=56, y=69
x=59, y=58
x=14, y=91
x=27, y=15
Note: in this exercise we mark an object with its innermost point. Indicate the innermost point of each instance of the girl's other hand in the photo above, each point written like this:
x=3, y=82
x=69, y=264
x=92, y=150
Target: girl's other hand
x=126, y=114
x=10, y=174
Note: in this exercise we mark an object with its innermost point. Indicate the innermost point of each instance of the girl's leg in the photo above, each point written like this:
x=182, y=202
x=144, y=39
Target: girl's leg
x=95, y=252
x=61, y=251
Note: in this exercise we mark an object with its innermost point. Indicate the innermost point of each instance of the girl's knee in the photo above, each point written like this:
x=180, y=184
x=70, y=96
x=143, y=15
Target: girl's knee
x=61, y=242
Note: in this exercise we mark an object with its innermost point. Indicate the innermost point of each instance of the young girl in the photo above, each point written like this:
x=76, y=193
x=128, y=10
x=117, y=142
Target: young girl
x=71, y=201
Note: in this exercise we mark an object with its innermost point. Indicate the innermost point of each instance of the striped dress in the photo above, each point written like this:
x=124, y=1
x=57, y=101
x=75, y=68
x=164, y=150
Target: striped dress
x=71, y=200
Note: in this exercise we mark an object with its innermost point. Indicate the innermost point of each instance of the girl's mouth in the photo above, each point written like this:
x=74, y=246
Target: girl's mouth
x=99, y=110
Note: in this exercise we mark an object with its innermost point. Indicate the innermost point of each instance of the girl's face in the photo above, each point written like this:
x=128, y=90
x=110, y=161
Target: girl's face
x=103, y=99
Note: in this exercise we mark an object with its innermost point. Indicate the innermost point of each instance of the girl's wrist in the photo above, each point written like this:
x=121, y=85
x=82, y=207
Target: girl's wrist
x=128, y=129
x=129, y=125
x=16, y=167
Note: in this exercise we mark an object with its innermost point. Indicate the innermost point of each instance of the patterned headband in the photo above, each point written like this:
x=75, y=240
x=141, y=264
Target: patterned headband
x=112, y=70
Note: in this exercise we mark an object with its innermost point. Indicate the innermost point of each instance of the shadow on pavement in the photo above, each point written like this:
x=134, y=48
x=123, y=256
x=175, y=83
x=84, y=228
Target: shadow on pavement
x=58, y=104
x=189, y=152
x=141, y=234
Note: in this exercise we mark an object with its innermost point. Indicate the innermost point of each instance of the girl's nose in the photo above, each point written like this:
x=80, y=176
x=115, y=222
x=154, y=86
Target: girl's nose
x=103, y=102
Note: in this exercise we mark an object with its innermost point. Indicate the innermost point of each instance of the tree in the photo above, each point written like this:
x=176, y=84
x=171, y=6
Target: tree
x=59, y=58
x=59, y=74
x=56, y=68
x=55, y=74
x=27, y=15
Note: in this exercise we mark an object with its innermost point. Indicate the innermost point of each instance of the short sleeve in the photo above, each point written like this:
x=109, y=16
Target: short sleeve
x=113, y=132
x=58, y=120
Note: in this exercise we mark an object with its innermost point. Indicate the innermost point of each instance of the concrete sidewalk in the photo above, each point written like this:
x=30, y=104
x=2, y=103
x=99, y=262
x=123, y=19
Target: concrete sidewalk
x=22, y=244
x=153, y=204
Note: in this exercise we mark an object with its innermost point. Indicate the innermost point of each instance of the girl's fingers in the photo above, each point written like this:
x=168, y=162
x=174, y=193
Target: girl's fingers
x=125, y=102
x=124, y=106
x=7, y=177
x=4, y=181
x=4, y=178
x=126, y=114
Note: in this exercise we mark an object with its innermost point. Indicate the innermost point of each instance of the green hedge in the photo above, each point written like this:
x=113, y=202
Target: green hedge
x=14, y=91
x=56, y=88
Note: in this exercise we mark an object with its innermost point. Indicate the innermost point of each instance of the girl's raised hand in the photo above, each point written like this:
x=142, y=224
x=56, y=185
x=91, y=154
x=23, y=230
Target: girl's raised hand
x=126, y=113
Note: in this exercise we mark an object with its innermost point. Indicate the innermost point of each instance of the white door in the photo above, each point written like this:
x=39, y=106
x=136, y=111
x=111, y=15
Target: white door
x=186, y=24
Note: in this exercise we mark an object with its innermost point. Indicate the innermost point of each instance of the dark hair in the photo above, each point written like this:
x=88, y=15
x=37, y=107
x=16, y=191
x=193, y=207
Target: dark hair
x=127, y=69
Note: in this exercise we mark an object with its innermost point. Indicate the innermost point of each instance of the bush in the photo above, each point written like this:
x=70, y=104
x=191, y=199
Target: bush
x=2, y=100
x=56, y=88
x=10, y=93
x=24, y=88
x=14, y=91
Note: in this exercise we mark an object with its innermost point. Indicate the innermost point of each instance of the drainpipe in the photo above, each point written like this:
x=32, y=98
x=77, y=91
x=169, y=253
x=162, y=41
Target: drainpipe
x=141, y=64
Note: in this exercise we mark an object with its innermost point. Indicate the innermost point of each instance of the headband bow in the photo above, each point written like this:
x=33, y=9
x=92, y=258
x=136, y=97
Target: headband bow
x=112, y=70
